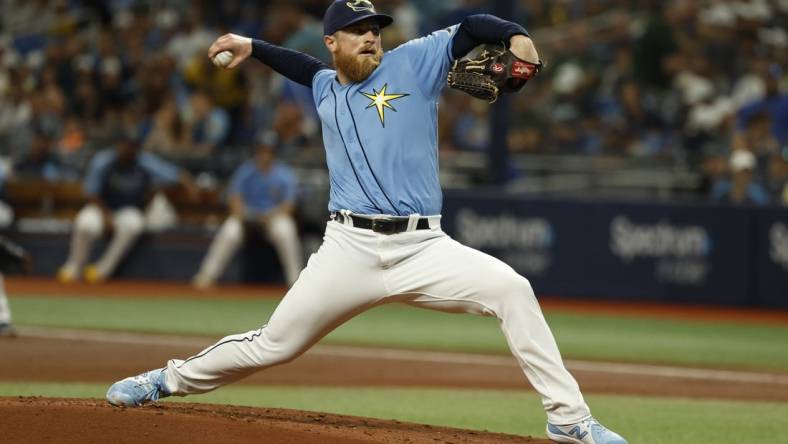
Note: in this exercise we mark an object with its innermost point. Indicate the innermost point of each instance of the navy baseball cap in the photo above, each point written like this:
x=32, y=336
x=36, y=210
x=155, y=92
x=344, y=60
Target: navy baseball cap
x=343, y=13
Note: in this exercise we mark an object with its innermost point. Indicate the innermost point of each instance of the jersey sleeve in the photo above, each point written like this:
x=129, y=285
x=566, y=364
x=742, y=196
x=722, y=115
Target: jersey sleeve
x=431, y=58
x=96, y=171
x=321, y=84
x=294, y=65
x=161, y=170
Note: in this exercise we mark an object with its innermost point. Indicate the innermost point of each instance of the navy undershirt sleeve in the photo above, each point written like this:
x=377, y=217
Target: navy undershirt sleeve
x=296, y=66
x=483, y=28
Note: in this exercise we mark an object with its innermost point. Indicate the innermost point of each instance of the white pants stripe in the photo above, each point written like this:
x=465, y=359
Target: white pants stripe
x=356, y=269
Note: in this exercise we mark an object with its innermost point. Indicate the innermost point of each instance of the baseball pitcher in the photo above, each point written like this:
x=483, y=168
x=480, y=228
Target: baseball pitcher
x=383, y=242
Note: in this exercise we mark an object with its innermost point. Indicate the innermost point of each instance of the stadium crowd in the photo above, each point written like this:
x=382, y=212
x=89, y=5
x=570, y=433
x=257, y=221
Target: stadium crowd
x=690, y=81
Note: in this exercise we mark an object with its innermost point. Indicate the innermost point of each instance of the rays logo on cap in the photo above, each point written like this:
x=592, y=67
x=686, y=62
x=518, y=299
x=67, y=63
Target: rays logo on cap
x=361, y=5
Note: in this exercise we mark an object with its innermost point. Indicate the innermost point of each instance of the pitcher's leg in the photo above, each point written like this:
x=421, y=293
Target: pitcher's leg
x=222, y=249
x=334, y=287
x=282, y=232
x=449, y=276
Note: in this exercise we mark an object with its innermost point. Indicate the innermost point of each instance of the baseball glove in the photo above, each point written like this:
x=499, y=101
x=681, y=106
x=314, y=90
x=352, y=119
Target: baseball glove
x=13, y=259
x=493, y=72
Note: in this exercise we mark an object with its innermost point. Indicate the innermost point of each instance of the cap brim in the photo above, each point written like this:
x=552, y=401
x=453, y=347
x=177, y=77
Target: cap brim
x=382, y=19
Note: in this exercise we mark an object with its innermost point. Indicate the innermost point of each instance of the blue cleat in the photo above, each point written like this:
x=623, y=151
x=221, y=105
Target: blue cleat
x=137, y=390
x=589, y=431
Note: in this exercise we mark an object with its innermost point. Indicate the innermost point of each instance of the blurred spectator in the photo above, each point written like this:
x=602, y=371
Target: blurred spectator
x=471, y=130
x=40, y=162
x=778, y=174
x=191, y=40
x=771, y=156
x=114, y=92
x=85, y=100
x=50, y=94
x=306, y=33
x=455, y=11
x=742, y=188
x=775, y=103
x=406, y=20
x=675, y=79
x=652, y=48
x=73, y=142
x=206, y=125
x=290, y=129
x=760, y=140
x=16, y=116
x=224, y=87
x=167, y=136
x=526, y=140
x=262, y=194
x=119, y=184
x=641, y=125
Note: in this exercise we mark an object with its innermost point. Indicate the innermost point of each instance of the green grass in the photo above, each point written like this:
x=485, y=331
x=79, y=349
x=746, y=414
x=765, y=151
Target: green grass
x=680, y=342
x=641, y=420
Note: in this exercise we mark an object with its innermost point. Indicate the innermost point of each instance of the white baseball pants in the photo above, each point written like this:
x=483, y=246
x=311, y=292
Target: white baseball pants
x=5, y=311
x=129, y=223
x=356, y=269
x=6, y=213
x=280, y=230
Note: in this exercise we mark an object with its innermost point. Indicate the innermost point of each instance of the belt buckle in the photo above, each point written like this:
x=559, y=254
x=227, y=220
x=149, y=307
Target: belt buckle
x=384, y=226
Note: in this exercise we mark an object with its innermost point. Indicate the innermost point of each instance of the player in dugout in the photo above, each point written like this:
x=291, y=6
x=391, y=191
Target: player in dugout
x=119, y=184
x=262, y=193
x=383, y=242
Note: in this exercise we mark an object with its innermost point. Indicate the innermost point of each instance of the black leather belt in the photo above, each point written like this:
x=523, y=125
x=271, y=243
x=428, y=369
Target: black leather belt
x=384, y=225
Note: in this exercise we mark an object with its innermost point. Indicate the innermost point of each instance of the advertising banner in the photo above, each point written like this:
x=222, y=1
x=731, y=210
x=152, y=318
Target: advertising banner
x=675, y=253
x=771, y=243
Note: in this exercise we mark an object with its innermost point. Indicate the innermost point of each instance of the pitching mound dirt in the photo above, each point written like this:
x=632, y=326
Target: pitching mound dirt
x=67, y=421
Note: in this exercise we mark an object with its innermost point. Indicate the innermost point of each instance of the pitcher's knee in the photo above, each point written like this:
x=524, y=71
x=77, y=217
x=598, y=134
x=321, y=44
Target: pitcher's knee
x=288, y=355
x=515, y=288
x=269, y=355
x=272, y=351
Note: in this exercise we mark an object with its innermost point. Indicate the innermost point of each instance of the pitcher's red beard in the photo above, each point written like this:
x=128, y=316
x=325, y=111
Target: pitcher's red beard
x=358, y=68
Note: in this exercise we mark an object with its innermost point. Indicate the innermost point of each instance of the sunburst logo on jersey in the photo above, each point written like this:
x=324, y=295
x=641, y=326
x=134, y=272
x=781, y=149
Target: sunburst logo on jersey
x=380, y=100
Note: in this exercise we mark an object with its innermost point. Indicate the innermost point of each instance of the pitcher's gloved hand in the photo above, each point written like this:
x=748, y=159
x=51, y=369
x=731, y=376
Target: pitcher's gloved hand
x=494, y=71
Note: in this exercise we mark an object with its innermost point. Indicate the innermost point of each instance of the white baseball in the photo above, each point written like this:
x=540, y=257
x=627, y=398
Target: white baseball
x=223, y=59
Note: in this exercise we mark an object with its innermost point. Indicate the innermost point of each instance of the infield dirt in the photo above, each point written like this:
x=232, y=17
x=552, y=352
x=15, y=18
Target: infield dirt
x=52, y=359
x=72, y=421
x=33, y=420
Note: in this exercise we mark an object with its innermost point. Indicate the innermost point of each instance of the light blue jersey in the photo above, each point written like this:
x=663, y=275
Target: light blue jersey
x=261, y=191
x=381, y=135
